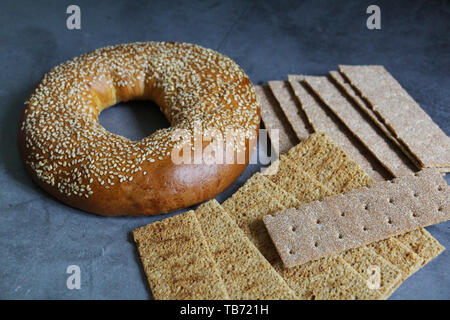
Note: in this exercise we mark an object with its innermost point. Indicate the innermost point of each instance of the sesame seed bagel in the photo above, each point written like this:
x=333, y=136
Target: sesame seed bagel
x=69, y=154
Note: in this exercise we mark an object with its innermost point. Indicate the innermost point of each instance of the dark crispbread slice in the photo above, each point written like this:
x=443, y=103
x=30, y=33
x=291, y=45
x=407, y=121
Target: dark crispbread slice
x=276, y=124
x=386, y=249
x=422, y=243
x=282, y=92
x=258, y=196
x=408, y=122
x=360, y=217
x=348, y=89
x=421, y=237
x=322, y=121
x=177, y=260
x=295, y=180
x=368, y=134
x=245, y=272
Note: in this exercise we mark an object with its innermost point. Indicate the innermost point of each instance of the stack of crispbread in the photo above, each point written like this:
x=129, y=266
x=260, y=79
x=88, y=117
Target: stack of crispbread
x=335, y=137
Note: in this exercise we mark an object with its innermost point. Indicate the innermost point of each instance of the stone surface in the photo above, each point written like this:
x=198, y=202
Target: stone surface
x=40, y=237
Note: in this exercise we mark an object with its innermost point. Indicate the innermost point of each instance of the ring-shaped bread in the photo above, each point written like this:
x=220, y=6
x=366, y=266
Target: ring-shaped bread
x=70, y=155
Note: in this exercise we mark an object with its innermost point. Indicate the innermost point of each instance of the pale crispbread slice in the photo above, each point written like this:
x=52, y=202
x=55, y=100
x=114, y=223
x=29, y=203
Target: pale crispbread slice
x=360, y=217
x=311, y=280
x=277, y=126
x=323, y=121
x=399, y=255
x=289, y=104
x=328, y=163
x=422, y=243
x=348, y=89
x=246, y=273
x=368, y=133
x=295, y=180
x=408, y=122
x=337, y=281
x=382, y=274
x=177, y=261
x=258, y=196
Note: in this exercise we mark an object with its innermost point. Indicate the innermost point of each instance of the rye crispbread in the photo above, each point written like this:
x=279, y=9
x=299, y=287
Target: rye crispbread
x=276, y=124
x=353, y=95
x=399, y=255
x=258, y=196
x=408, y=122
x=177, y=261
x=291, y=108
x=393, y=247
x=422, y=243
x=328, y=163
x=373, y=267
x=360, y=217
x=323, y=121
x=299, y=277
x=295, y=180
x=246, y=273
x=337, y=282
x=389, y=155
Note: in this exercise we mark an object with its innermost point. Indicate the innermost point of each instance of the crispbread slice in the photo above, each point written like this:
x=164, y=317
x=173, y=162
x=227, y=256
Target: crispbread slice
x=363, y=106
x=328, y=163
x=177, y=260
x=360, y=217
x=417, y=236
x=368, y=134
x=277, y=126
x=298, y=278
x=245, y=272
x=408, y=122
x=422, y=243
x=338, y=281
x=295, y=180
x=374, y=269
x=399, y=255
x=294, y=114
x=258, y=196
x=321, y=121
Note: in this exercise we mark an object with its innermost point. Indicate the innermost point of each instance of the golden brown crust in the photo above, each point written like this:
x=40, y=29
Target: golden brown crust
x=76, y=160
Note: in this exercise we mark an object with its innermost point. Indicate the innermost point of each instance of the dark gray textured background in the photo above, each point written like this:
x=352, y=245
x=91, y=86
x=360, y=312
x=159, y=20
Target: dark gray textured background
x=40, y=237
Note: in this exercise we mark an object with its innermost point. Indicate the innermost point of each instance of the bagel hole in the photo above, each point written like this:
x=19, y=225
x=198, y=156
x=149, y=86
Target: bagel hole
x=135, y=119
